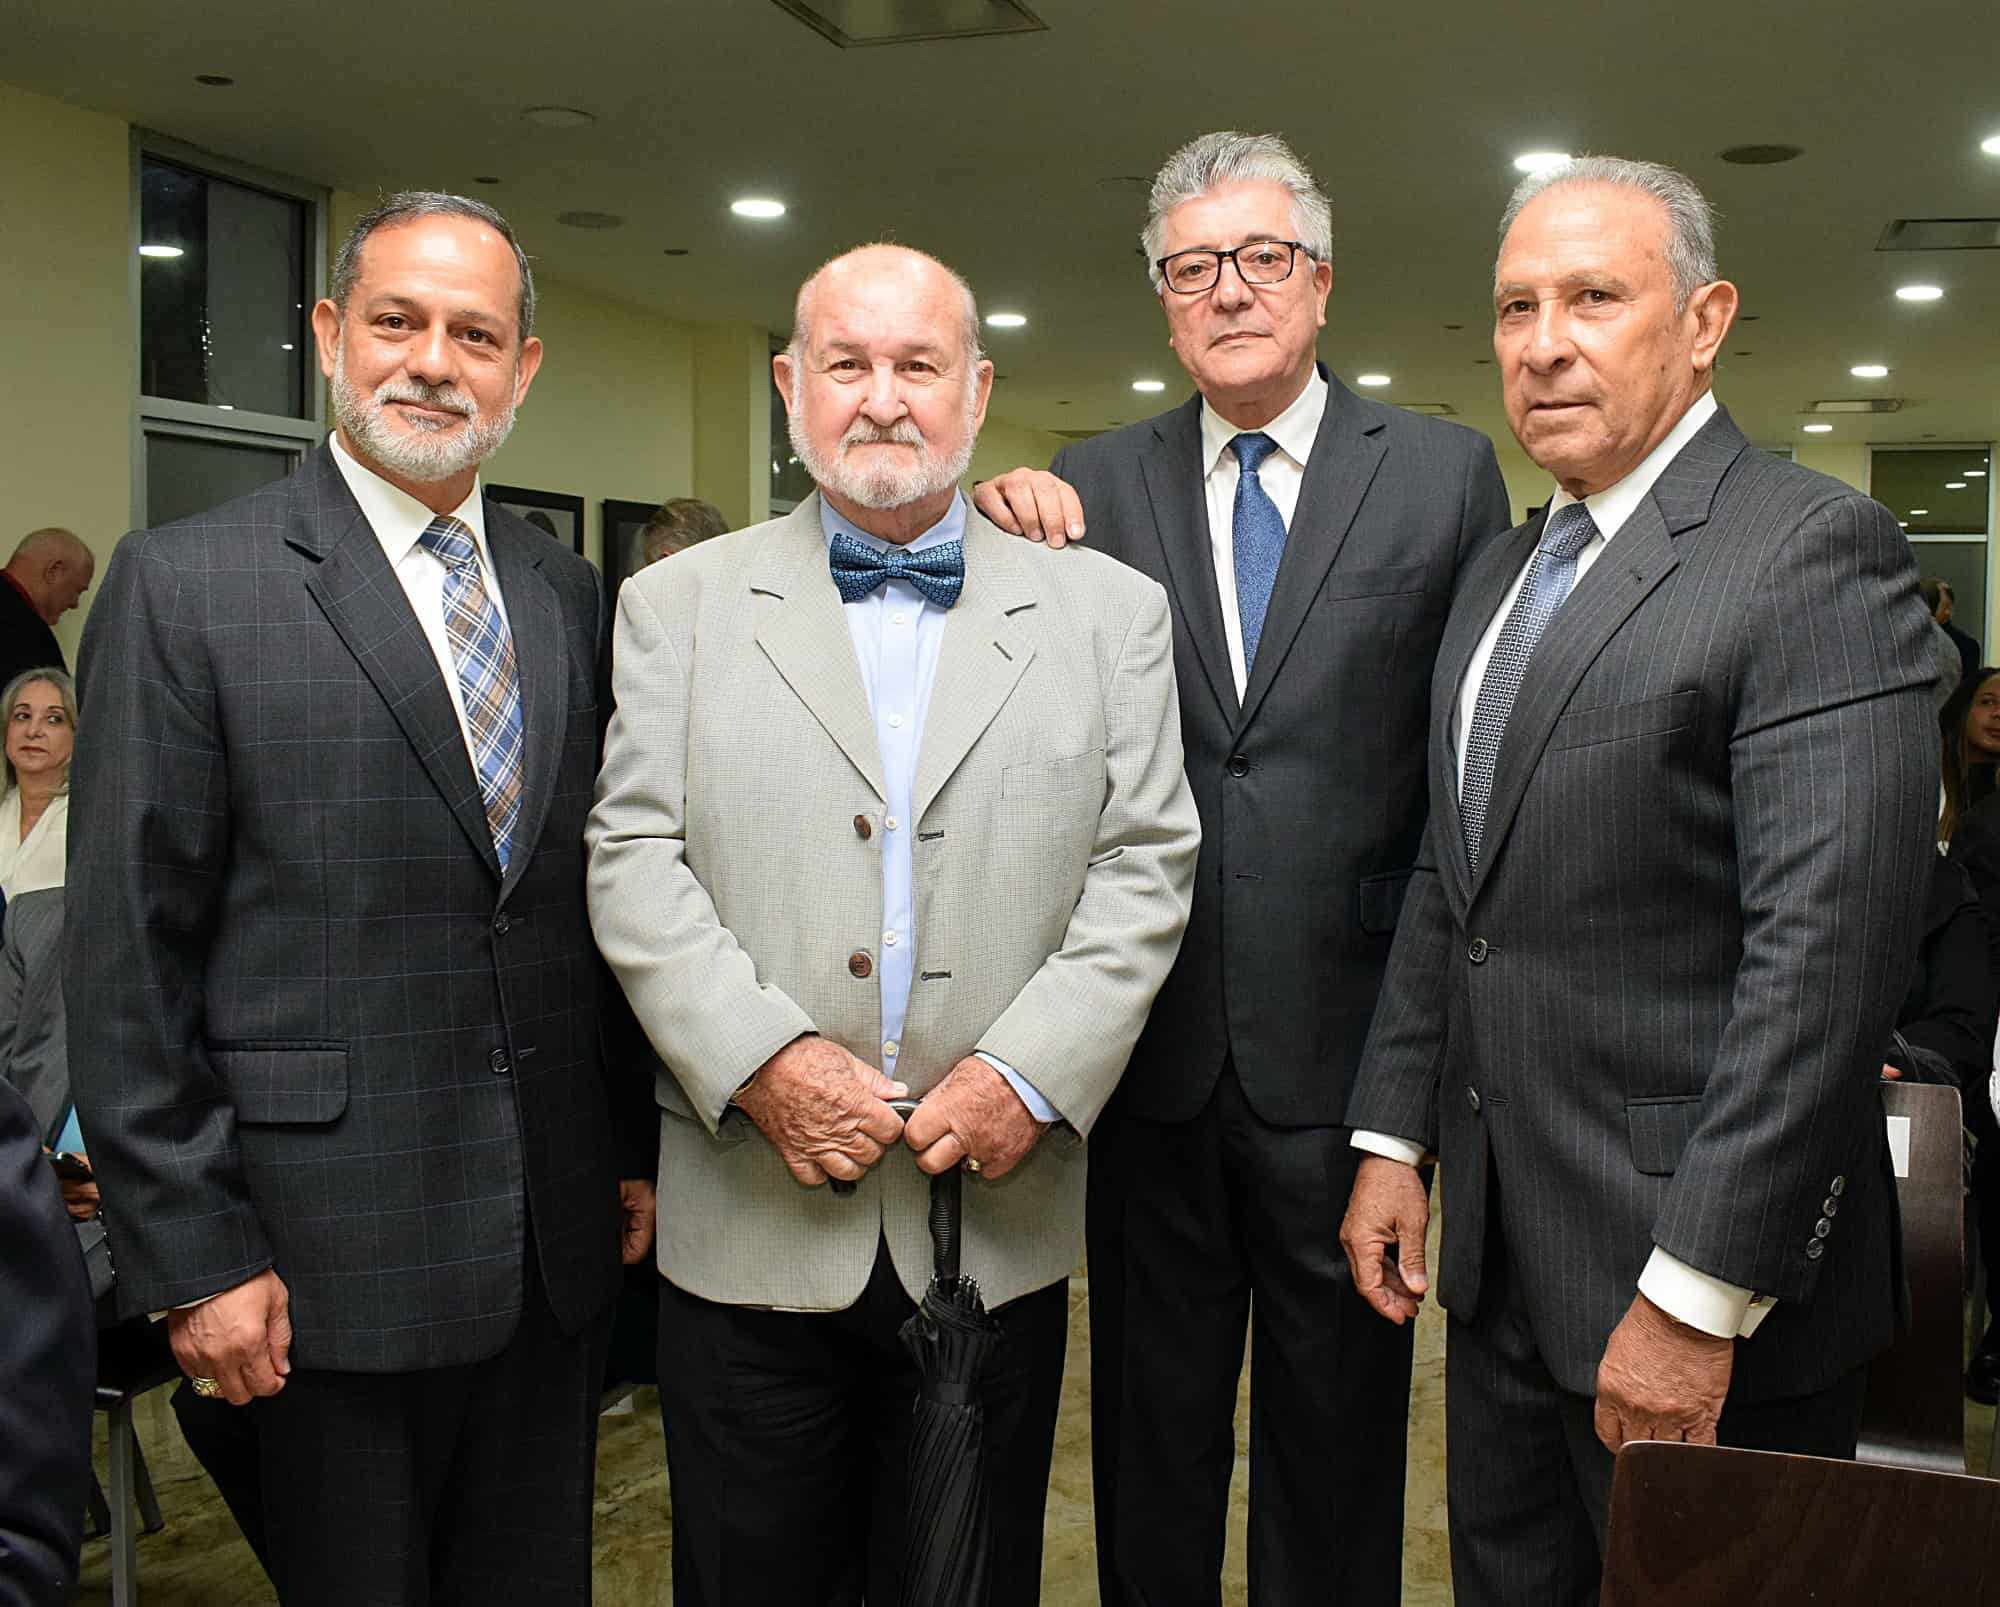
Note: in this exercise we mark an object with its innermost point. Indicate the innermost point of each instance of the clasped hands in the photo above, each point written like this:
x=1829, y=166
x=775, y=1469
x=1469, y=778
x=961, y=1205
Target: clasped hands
x=828, y=1117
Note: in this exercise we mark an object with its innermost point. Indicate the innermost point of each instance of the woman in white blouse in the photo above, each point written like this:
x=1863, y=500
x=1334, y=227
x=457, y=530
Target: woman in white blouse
x=40, y=708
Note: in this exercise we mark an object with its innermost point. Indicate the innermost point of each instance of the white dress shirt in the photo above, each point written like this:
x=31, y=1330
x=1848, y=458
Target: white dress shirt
x=1284, y=471
x=398, y=519
x=30, y=864
x=897, y=636
x=1684, y=1292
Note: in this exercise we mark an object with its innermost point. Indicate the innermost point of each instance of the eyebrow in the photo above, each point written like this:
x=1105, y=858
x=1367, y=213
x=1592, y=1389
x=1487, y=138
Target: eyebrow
x=389, y=300
x=1570, y=281
x=1261, y=237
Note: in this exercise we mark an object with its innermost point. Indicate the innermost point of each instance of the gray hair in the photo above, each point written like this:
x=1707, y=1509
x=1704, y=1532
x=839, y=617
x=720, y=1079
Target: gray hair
x=1690, y=214
x=1228, y=157
x=56, y=676
x=407, y=206
x=801, y=324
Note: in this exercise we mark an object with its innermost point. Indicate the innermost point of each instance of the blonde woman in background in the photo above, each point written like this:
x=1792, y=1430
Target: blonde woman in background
x=40, y=708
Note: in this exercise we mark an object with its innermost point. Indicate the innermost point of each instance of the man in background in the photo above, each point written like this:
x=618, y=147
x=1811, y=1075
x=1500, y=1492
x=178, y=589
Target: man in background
x=49, y=573
x=675, y=526
x=1939, y=599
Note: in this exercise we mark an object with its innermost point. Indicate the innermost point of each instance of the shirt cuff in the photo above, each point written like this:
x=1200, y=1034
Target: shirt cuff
x=1408, y=1151
x=1038, y=1107
x=1692, y=1296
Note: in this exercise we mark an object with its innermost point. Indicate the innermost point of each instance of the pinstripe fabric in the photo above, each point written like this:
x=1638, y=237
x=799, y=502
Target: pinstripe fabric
x=1670, y=978
x=1053, y=859
x=312, y=1024
x=483, y=651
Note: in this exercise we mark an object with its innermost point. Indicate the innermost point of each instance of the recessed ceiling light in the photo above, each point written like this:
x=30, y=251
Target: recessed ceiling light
x=590, y=220
x=1954, y=485
x=1006, y=320
x=1816, y=429
x=1918, y=513
x=1973, y=474
x=1539, y=161
x=1904, y=523
x=559, y=116
x=1869, y=371
x=1149, y=384
x=753, y=207
x=1371, y=379
x=1920, y=293
x=160, y=251
x=1991, y=145
x=214, y=80
x=225, y=407
x=285, y=346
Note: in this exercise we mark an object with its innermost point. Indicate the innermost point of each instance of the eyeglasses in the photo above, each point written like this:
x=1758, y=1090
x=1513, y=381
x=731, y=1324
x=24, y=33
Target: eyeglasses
x=1260, y=262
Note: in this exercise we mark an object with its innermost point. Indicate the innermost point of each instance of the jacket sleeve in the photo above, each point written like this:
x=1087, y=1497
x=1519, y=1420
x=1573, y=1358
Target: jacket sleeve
x=149, y=847
x=1396, y=1086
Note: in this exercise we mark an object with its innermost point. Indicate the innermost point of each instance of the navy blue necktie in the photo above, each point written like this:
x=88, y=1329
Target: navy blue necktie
x=1551, y=574
x=937, y=572
x=1259, y=540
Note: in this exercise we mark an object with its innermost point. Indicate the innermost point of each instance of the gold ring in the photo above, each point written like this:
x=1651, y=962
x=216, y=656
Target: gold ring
x=207, y=1388
x=972, y=1163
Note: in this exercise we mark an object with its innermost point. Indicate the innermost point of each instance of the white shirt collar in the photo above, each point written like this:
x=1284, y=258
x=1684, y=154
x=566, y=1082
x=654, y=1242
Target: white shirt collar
x=1611, y=507
x=1294, y=430
x=396, y=517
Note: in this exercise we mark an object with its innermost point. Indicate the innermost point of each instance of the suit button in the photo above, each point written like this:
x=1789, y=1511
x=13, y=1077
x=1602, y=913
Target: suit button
x=1815, y=1248
x=1830, y=1206
x=501, y=924
x=499, y=1062
x=1837, y=1187
x=1822, y=1228
x=1476, y=951
x=862, y=829
x=1472, y=1099
x=1238, y=765
x=859, y=963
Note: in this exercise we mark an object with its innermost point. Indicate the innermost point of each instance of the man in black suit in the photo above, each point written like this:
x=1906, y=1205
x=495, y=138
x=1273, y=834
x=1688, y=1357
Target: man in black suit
x=1939, y=600
x=333, y=1001
x=49, y=572
x=48, y=1356
x=1310, y=542
x=1683, y=780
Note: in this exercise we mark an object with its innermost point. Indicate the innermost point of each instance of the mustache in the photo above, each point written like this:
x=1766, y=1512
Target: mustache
x=446, y=398
x=903, y=432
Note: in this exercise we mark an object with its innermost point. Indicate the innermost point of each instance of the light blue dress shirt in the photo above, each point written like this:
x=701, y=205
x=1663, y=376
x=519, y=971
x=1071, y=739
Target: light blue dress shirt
x=897, y=636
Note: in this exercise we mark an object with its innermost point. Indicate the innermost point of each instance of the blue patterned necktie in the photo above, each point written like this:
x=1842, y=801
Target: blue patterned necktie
x=1259, y=540
x=488, y=682
x=937, y=572
x=1551, y=574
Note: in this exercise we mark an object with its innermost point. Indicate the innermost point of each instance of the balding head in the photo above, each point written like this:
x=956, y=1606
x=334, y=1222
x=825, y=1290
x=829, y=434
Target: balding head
x=54, y=568
x=918, y=273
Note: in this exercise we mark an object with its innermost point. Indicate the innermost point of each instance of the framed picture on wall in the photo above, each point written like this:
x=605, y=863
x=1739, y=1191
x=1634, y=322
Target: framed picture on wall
x=552, y=512
x=623, y=521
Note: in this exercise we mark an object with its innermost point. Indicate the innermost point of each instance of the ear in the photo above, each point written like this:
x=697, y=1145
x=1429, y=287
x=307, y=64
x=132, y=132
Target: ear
x=781, y=371
x=983, y=379
x=1712, y=310
x=1322, y=286
x=326, y=334
x=526, y=367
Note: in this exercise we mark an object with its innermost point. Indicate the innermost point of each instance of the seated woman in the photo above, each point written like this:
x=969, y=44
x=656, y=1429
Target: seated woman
x=40, y=709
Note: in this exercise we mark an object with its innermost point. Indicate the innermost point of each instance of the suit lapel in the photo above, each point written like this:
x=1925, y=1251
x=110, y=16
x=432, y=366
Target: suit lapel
x=366, y=605
x=981, y=659
x=1345, y=455
x=1172, y=469
x=807, y=640
x=535, y=621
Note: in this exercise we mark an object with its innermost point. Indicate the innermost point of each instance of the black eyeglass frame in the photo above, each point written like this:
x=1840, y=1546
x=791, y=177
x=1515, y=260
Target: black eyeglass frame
x=1298, y=248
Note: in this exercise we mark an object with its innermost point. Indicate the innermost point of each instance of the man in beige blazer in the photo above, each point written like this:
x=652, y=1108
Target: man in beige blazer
x=892, y=803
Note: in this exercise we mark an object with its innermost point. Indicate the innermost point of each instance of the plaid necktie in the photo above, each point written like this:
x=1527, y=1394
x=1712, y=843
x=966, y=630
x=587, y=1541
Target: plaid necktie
x=1551, y=574
x=487, y=680
x=1258, y=539
x=937, y=572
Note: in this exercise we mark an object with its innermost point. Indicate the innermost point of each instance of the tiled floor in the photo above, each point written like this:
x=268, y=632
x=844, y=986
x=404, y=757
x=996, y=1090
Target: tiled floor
x=199, y=1561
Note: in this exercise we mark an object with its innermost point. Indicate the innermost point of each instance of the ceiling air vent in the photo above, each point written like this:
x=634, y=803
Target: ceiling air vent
x=1941, y=234
x=1858, y=404
x=849, y=23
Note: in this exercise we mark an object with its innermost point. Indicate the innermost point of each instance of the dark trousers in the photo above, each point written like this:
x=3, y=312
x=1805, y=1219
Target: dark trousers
x=467, y=1484
x=788, y=1437
x=1528, y=1482
x=1196, y=1228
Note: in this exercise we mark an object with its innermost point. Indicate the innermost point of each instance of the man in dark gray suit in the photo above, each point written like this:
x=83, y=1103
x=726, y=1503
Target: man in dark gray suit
x=333, y=1001
x=1681, y=835
x=1309, y=542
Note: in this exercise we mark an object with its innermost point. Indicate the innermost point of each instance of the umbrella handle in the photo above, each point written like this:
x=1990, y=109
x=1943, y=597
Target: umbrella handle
x=840, y=1185
x=947, y=1199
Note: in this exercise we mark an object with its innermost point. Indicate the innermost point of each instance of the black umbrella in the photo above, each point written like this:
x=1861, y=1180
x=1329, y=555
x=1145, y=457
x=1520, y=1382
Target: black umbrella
x=949, y=1532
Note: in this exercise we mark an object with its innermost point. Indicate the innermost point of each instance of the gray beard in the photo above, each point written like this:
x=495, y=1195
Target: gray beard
x=888, y=486
x=425, y=453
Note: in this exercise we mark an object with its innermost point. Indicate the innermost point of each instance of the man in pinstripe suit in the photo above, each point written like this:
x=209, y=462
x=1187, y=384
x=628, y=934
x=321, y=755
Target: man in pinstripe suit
x=333, y=1001
x=1681, y=822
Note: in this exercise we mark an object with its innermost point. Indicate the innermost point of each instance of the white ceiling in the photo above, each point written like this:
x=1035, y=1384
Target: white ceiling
x=1013, y=158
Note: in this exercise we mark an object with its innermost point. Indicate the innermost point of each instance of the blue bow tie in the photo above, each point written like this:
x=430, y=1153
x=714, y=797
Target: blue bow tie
x=937, y=572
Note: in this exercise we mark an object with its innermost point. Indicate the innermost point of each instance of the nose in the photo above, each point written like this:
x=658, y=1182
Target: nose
x=883, y=405
x=1548, y=345
x=431, y=357
x=1231, y=289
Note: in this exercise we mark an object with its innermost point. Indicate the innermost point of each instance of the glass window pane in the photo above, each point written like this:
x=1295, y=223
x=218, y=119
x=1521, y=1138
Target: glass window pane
x=1931, y=490
x=222, y=300
x=189, y=474
x=1961, y=565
